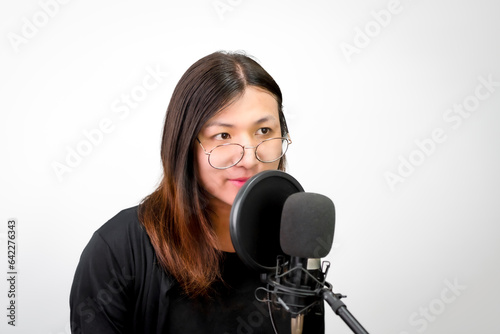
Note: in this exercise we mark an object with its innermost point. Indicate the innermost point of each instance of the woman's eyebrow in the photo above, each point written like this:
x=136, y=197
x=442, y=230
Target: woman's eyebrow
x=265, y=119
x=227, y=125
x=218, y=123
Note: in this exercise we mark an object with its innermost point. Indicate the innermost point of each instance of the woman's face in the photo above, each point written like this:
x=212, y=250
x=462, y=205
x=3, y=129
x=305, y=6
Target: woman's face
x=249, y=120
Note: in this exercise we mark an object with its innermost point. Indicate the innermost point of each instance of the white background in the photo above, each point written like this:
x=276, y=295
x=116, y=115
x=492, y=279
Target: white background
x=353, y=119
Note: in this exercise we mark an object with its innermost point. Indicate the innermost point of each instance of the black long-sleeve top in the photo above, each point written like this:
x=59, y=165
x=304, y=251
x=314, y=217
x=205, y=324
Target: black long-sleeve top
x=119, y=287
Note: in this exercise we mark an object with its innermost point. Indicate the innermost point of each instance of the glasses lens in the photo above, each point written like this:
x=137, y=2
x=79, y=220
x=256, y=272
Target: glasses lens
x=225, y=155
x=272, y=149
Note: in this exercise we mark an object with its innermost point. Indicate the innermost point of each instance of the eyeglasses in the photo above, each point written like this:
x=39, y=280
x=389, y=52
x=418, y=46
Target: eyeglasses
x=227, y=155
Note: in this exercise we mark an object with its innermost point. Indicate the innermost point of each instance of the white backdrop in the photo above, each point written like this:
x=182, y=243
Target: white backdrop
x=393, y=108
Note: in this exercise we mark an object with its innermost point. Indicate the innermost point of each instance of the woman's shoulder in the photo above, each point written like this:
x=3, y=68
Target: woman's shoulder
x=124, y=236
x=123, y=224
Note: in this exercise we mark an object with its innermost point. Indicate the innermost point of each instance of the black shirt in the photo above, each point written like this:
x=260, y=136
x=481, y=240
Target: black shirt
x=119, y=287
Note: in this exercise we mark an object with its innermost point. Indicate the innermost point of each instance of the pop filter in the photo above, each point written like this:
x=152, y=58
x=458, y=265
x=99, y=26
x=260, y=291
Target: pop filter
x=256, y=218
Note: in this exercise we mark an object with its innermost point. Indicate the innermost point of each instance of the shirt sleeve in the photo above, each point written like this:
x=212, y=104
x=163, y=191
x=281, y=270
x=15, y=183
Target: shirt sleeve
x=100, y=298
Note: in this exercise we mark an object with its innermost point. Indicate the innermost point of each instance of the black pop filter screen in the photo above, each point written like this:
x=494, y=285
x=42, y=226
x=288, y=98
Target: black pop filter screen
x=307, y=225
x=256, y=215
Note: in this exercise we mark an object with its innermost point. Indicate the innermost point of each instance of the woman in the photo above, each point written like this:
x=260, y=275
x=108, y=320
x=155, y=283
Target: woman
x=168, y=265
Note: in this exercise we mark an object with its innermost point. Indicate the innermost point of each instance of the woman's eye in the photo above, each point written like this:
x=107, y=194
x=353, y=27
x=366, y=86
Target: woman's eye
x=222, y=136
x=264, y=131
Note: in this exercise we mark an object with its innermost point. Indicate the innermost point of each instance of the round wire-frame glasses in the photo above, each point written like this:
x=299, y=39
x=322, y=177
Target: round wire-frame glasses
x=227, y=155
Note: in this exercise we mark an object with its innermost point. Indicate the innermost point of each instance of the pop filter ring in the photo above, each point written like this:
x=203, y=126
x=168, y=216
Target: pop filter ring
x=255, y=218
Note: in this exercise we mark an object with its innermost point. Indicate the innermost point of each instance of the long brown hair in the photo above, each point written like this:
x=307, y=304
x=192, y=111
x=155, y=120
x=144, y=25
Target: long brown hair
x=175, y=215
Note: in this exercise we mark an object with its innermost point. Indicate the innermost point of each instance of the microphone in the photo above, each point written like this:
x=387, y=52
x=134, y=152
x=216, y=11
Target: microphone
x=306, y=235
x=282, y=232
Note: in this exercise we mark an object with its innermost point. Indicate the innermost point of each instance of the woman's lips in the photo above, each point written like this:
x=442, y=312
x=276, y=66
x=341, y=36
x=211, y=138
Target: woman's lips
x=239, y=182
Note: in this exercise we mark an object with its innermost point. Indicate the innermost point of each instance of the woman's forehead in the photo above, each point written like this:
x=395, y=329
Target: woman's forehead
x=254, y=106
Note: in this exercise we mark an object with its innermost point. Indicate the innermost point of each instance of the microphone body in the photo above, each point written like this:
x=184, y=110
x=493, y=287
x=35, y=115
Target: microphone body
x=306, y=235
x=301, y=275
x=301, y=281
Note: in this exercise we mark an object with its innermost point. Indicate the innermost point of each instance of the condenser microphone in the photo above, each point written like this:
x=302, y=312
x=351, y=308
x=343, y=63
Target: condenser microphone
x=282, y=232
x=306, y=235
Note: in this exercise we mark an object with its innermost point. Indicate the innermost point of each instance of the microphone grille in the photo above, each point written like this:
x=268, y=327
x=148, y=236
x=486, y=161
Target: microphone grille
x=307, y=225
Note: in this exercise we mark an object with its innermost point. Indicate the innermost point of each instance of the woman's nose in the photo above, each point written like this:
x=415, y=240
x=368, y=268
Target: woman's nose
x=249, y=159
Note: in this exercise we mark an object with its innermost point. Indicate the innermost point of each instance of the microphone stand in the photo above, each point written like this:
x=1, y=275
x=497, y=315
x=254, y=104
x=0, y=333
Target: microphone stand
x=323, y=291
x=340, y=309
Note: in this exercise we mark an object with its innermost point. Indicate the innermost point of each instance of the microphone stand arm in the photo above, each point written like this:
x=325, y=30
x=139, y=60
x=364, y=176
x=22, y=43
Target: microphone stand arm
x=340, y=309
